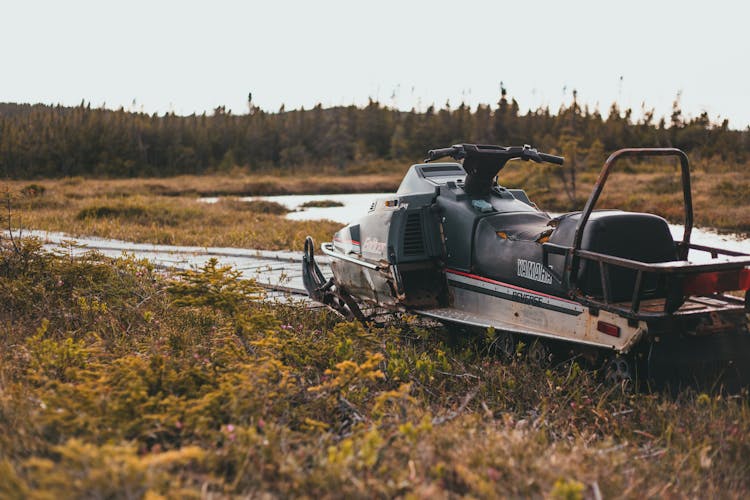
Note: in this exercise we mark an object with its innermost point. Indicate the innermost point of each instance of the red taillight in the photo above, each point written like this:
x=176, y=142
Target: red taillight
x=608, y=329
x=720, y=281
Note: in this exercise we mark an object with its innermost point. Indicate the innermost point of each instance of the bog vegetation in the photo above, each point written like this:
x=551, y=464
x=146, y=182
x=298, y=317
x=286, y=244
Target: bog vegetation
x=167, y=210
x=120, y=381
x=53, y=141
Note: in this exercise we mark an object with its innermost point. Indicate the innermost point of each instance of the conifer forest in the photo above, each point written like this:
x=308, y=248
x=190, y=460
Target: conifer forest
x=42, y=141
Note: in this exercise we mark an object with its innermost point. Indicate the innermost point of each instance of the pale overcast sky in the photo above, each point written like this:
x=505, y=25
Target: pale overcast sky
x=189, y=56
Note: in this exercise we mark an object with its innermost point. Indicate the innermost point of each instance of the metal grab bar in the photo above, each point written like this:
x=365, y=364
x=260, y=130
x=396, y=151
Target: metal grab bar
x=671, y=267
x=599, y=186
x=669, y=270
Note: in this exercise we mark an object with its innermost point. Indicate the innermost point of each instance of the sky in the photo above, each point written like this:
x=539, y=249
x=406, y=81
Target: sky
x=187, y=56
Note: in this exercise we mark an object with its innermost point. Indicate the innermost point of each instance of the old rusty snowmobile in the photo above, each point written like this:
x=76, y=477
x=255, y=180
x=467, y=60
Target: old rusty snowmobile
x=609, y=285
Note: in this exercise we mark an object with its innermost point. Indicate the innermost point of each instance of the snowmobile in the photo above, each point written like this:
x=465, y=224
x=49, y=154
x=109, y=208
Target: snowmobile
x=610, y=285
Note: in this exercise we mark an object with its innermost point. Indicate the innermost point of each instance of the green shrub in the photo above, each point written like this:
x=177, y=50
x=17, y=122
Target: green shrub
x=118, y=381
x=219, y=287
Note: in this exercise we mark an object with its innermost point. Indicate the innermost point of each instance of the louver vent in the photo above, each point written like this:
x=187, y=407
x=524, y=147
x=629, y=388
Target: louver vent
x=413, y=244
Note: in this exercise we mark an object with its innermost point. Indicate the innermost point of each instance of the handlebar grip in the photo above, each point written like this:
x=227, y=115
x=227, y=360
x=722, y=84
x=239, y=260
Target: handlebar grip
x=434, y=154
x=557, y=160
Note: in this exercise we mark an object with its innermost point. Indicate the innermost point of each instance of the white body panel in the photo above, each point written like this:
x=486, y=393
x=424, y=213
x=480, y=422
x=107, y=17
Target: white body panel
x=488, y=303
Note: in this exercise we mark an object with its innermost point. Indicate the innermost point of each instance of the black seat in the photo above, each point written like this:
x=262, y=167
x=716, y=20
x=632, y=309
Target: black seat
x=507, y=245
x=635, y=236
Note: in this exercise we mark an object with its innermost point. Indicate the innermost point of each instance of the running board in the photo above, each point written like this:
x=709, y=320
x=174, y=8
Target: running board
x=485, y=302
x=450, y=315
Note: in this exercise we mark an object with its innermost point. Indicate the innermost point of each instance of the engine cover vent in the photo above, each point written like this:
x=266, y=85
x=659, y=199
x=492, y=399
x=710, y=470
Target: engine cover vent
x=413, y=242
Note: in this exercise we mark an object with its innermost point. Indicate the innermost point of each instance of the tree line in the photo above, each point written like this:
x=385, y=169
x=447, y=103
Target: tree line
x=56, y=141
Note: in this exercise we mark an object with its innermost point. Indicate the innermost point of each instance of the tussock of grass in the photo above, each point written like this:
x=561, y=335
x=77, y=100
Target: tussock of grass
x=258, y=206
x=33, y=190
x=665, y=184
x=138, y=211
x=118, y=381
x=321, y=204
x=104, y=212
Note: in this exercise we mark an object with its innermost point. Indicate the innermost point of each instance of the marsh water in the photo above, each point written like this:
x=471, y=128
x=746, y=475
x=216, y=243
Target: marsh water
x=254, y=262
x=356, y=205
x=352, y=205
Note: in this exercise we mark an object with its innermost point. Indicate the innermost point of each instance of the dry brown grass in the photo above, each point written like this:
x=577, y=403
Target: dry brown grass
x=166, y=210
x=220, y=185
x=167, y=220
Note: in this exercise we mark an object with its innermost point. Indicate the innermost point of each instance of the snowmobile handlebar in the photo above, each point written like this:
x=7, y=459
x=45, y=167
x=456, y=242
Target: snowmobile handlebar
x=504, y=154
x=436, y=154
x=483, y=162
x=557, y=160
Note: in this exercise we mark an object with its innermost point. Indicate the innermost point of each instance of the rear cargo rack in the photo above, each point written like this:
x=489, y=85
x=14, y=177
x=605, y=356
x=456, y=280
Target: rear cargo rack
x=729, y=272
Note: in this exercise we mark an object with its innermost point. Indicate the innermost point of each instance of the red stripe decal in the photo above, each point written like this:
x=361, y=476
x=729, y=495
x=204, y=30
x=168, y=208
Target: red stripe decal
x=494, y=282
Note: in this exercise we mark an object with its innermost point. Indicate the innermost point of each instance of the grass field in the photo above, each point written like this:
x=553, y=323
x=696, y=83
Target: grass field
x=120, y=381
x=117, y=381
x=170, y=220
